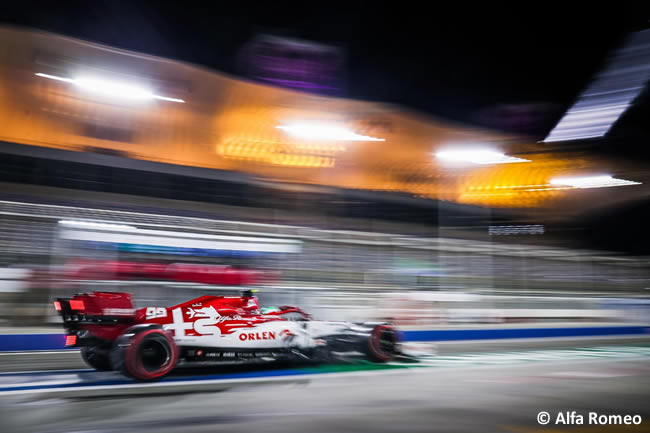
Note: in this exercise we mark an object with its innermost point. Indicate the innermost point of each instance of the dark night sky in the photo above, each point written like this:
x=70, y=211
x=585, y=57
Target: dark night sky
x=458, y=64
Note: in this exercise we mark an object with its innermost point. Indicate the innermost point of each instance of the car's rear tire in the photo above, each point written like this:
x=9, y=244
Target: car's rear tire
x=96, y=358
x=146, y=355
x=382, y=345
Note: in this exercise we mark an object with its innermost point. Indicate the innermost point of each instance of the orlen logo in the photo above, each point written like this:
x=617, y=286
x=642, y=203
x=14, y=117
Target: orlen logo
x=266, y=335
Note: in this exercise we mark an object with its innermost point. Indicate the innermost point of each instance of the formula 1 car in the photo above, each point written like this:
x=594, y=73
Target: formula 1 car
x=150, y=342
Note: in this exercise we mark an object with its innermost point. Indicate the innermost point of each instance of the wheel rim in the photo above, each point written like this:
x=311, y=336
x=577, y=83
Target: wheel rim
x=387, y=341
x=154, y=354
x=383, y=341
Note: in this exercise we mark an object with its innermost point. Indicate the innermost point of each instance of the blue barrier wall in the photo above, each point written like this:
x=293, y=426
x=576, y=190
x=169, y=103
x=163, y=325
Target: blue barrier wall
x=21, y=342
x=496, y=334
x=14, y=342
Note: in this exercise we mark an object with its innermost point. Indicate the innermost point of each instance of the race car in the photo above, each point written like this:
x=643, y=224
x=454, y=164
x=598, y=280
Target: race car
x=148, y=343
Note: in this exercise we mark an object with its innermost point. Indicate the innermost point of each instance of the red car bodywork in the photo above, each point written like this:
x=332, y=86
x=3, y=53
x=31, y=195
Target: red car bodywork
x=149, y=342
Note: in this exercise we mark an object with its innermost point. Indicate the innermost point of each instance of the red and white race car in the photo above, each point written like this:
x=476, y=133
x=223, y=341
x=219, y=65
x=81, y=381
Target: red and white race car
x=148, y=343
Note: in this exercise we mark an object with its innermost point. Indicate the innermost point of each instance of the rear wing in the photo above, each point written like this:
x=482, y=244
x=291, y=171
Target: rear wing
x=92, y=315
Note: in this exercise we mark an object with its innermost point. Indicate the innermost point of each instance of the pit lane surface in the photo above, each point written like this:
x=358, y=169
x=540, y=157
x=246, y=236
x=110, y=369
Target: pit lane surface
x=71, y=359
x=499, y=391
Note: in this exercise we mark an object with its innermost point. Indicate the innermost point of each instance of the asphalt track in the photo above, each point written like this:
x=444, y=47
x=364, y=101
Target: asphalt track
x=483, y=391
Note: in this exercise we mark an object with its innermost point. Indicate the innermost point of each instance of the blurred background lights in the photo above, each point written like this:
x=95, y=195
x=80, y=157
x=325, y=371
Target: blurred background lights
x=54, y=77
x=95, y=225
x=324, y=131
x=478, y=156
x=599, y=181
x=113, y=89
x=528, y=229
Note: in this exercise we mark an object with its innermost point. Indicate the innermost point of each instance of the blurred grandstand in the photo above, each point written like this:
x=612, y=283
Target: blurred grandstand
x=335, y=273
x=203, y=190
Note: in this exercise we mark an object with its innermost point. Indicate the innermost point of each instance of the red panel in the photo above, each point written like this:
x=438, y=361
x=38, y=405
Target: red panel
x=76, y=304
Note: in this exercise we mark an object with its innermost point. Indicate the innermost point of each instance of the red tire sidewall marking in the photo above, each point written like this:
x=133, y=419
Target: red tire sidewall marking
x=375, y=345
x=133, y=362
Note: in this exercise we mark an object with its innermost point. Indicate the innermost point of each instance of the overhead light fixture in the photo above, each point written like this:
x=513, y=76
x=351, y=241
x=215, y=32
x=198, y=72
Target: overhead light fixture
x=113, y=89
x=324, y=131
x=95, y=225
x=600, y=181
x=478, y=156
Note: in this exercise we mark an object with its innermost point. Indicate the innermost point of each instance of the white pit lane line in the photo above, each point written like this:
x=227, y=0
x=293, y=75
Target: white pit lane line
x=62, y=371
x=41, y=352
x=185, y=386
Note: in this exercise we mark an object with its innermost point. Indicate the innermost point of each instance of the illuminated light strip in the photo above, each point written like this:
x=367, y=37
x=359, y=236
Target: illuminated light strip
x=322, y=131
x=478, y=156
x=111, y=88
x=94, y=225
x=208, y=243
x=508, y=186
x=54, y=77
x=165, y=98
x=549, y=189
x=523, y=186
x=614, y=90
x=490, y=194
x=601, y=181
x=579, y=124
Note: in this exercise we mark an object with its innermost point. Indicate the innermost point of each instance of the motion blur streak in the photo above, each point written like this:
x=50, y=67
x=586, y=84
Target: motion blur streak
x=478, y=156
x=610, y=95
x=602, y=181
x=315, y=131
x=96, y=225
x=111, y=88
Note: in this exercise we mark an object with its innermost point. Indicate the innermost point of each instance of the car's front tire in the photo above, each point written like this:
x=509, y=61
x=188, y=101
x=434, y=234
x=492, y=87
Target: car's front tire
x=383, y=343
